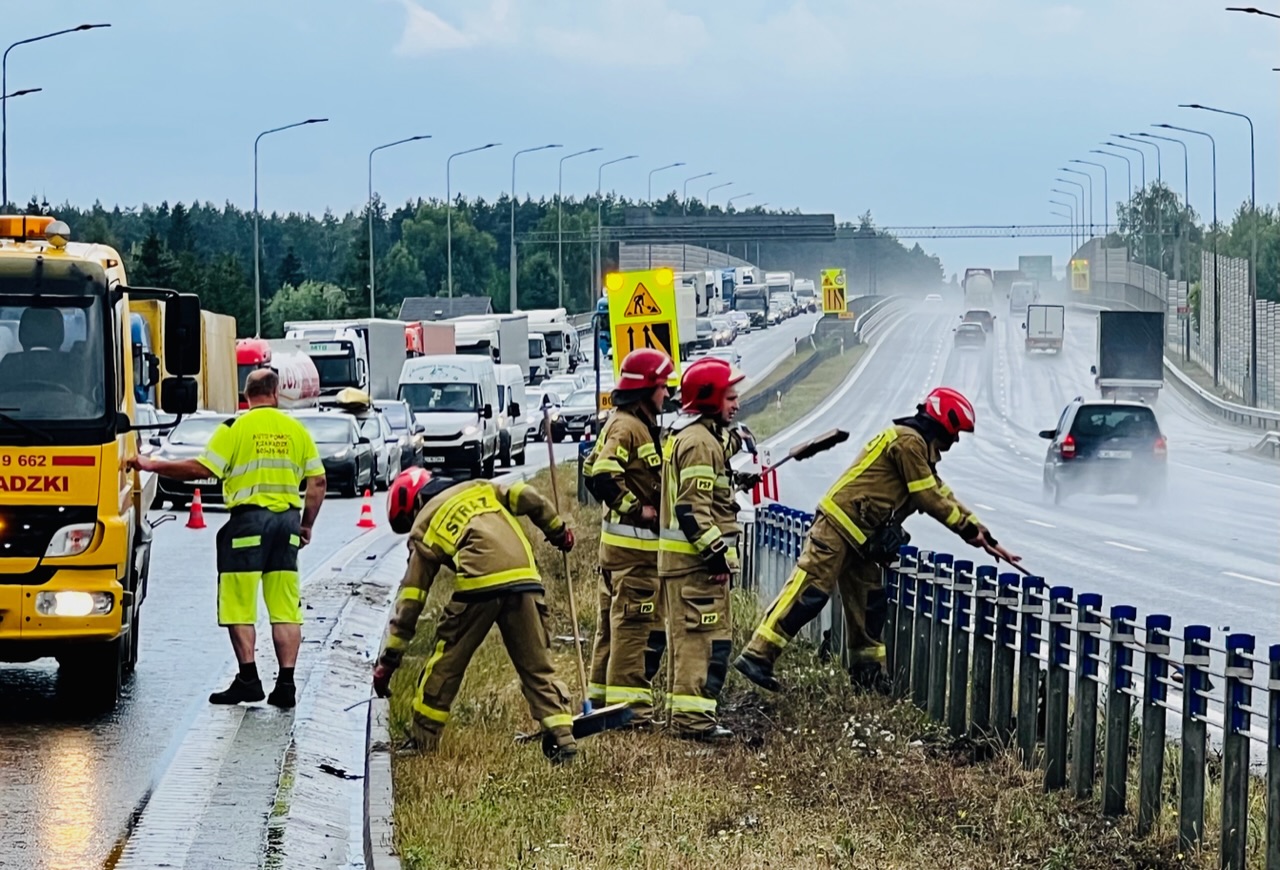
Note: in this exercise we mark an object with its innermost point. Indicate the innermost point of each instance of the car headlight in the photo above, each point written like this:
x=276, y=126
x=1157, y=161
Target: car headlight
x=71, y=540
x=470, y=429
x=555, y=415
x=342, y=454
x=71, y=603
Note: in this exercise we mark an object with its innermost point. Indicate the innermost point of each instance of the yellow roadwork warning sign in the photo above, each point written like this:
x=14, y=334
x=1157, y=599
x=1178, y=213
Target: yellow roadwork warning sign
x=641, y=303
x=833, y=291
x=1080, y=276
x=642, y=313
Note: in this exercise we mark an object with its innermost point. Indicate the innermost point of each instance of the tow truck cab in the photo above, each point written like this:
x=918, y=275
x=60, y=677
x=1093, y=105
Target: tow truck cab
x=74, y=542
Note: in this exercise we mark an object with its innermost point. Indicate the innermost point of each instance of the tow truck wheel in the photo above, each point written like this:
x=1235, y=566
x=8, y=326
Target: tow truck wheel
x=91, y=678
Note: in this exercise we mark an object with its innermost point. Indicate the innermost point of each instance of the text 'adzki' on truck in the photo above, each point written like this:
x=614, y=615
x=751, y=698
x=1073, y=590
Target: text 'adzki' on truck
x=75, y=546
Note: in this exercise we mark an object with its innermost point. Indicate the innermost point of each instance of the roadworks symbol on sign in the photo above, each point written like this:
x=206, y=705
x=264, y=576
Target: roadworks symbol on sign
x=642, y=303
x=651, y=335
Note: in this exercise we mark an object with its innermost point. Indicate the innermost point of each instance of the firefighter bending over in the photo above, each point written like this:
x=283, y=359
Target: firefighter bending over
x=857, y=530
x=471, y=528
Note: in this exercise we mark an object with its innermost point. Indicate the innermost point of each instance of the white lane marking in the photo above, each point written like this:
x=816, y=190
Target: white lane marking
x=1251, y=578
x=1126, y=546
x=1042, y=524
x=984, y=507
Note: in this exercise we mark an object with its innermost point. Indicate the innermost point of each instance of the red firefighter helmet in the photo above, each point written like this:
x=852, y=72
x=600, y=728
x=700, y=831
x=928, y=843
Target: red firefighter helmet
x=411, y=489
x=703, y=385
x=950, y=408
x=645, y=369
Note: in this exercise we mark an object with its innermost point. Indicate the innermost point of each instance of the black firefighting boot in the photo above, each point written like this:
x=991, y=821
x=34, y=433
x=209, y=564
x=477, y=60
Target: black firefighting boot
x=870, y=677
x=241, y=691
x=558, y=745
x=757, y=671
x=714, y=734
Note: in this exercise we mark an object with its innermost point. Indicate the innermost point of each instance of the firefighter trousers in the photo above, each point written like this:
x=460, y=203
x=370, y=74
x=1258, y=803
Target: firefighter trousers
x=826, y=563
x=700, y=634
x=637, y=638
x=521, y=618
x=602, y=647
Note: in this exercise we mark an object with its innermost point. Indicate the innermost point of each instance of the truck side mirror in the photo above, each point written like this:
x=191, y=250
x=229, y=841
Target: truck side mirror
x=182, y=345
x=1093, y=370
x=418, y=429
x=179, y=395
x=513, y=410
x=363, y=440
x=1024, y=326
x=154, y=440
x=151, y=371
x=487, y=412
x=1048, y=434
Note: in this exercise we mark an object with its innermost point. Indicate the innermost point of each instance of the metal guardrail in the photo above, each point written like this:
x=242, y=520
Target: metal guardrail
x=1009, y=658
x=1270, y=444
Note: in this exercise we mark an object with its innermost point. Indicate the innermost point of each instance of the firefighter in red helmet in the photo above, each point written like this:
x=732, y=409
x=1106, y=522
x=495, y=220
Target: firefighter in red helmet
x=698, y=546
x=857, y=529
x=624, y=472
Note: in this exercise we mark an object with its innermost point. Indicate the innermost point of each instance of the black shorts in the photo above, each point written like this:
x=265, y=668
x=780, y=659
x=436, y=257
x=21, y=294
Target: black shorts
x=258, y=545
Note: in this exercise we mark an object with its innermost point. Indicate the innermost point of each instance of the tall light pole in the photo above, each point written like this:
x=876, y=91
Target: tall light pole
x=4, y=113
x=599, y=269
x=1217, y=314
x=715, y=187
x=1083, y=207
x=659, y=169
x=257, y=253
x=1142, y=200
x=1070, y=214
x=1184, y=262
x=729, y=202
x=448, y=209
x=1159, y=183
x=21, y=93
x=1106, y=195
x=560, y=223
x=372, y=311
x=1252, y=11
x=1253, y=257
x=685, y=193
x=1075, y=209
x=1089, y=207
x=515, y=275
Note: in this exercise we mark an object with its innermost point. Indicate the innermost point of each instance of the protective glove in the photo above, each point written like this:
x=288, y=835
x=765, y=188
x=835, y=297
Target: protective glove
x=647, y=518
x=746, y=480
x=382, y=680
x=718, y=564
x=561, y=540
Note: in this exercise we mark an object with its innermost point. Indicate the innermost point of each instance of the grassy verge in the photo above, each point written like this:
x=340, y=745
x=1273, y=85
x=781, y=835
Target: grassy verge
x=803, y=350
x=806, y=395
x=819, y=777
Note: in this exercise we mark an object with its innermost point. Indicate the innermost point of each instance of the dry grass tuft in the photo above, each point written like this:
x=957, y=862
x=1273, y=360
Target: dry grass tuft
x=820, y=777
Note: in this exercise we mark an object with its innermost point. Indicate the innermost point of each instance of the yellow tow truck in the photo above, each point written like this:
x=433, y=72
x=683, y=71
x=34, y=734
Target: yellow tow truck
x=75, y=544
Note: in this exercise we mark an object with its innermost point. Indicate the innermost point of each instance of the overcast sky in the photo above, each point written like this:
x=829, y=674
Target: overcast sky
x=926, y=112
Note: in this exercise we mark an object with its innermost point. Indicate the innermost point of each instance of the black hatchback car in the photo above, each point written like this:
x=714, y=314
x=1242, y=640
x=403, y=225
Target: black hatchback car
x=1104, y=448
x=970, y=335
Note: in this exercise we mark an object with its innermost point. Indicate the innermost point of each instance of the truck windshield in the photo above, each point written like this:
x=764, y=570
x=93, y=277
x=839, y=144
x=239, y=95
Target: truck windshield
x=424, y=398
x=336, y=371
x=52, y=360
x=751, y=302
x=535, y=348
x=555, y=342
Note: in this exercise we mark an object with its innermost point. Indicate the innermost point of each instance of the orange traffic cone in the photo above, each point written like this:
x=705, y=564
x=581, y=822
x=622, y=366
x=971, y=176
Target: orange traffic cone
x=195, y=519
x=366, y=512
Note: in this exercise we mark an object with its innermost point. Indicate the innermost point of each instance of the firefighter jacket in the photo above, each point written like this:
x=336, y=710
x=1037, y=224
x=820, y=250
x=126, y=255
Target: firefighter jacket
x=470, y=527
x=699, y=514
x=893, y=476
x=624, y=471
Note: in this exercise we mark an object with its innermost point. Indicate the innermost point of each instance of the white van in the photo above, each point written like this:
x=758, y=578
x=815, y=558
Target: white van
x=455, y=398
x=514, y=415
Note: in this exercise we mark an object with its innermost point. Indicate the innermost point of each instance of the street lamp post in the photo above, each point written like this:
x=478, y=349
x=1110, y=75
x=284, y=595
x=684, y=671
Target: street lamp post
x=1217, y=314
x=21, y=93
x=1071, y=209
x=1089, y=207
x=1142, y=161
x=1106, y=195
x=685, y=194
x=515, y=275
x=560, y=223
x=257, y=253
x=729, y=202
x=599, y=270
x=1252, y=11
x=1159, y=183
x=1253, y=257
x=372, y=311
x=1075, y=210
x=1184, y=261
x=1083, y=208
x=715, y=187
x=651, y=174
x=448, y=209
x=4, y=114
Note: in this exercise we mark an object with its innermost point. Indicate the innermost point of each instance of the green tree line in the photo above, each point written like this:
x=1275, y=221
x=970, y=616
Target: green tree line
x=319, y=266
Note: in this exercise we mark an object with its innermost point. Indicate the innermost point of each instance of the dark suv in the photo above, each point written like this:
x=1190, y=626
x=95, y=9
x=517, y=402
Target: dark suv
x=1106, y=447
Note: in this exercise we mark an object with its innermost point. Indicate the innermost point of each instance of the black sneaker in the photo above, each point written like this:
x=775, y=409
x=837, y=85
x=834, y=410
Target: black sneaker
x=239, y=692
x=757, y=672
x=284, y=696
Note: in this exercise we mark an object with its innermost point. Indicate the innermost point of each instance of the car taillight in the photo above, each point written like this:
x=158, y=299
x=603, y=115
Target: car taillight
x=1162, y=447
x=1068, y=448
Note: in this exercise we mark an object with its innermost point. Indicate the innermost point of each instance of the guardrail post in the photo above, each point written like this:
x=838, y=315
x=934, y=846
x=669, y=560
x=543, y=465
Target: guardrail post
x=984, y=629
x=892, y=587
x=1032, y=608
x=938, y=660
x=1004, y=656
x=1057, y=687
x=1273, y=759
x=1194, y=730
x=1154, y=694
x=1236, y=722
x=1084, y=751
x=922, y=631
x=1119, y=712
x=909, y=557
x=961, y=613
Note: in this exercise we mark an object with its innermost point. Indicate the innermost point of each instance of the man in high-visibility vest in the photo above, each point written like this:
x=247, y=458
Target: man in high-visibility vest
x=857, y=530
x=624, y=472
x=262, y=456
x=471, y=528
x=698, y=546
